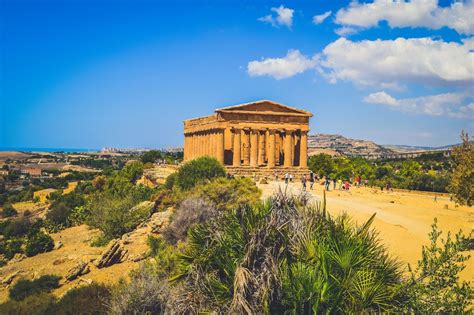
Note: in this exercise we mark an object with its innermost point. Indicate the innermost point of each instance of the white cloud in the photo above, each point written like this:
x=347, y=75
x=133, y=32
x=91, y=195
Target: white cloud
x=318, y=19
x=415, y=13
x=284, y=16
x=280, y=68
x=345, y=31
x=447, y=104
x=389, y=63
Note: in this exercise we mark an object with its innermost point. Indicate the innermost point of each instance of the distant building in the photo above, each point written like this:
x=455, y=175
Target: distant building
x=32, y=171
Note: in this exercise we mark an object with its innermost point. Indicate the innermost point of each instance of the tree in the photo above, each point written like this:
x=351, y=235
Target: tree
x=462, y=181
x=151, y=156
x=38, y=243
x=8, y=211
x=198, y=171
x=321, y=164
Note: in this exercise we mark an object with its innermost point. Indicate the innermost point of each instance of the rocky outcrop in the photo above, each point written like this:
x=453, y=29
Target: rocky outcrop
x=113, y=254
x=81, y=268
x=9, y=279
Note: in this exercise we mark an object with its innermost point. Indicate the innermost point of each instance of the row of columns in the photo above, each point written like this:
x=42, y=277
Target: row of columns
x=255, y=147
x=205, y=142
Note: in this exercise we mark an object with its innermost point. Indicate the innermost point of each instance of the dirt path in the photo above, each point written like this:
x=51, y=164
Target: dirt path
x=403, y=219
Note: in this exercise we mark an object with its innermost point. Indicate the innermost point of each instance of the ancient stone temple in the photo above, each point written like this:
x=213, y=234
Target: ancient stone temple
x=261, y=137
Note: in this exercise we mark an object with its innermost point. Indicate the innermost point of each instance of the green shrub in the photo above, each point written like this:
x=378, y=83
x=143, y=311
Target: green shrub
x=90, y=299
x=198, y=171
x=282, y=256
x=37, y=304
x=38, y=243
x=115, y=216
x=24, y=288
x=170, y=181
x=227, y=194
x=8, y=211
x=58, y=215
x=10, y=247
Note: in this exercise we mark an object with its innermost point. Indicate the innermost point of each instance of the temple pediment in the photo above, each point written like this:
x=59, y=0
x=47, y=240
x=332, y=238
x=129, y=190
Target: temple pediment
x=264, y=107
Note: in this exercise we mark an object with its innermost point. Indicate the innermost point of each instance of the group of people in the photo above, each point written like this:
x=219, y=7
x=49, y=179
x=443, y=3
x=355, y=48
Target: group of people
x=336, y=183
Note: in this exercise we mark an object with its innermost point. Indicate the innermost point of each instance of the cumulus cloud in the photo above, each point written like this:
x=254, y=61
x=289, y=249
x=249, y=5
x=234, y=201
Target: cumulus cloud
x=318, y=19
x=284, y=16
x=415, y=13
x=447, y=104
x=280, y=68
x=389, y=63
x=345, y=31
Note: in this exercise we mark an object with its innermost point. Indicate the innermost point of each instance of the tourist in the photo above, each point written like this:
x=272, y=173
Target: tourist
x=339, y=182
x=311, y=180
x=347, y=185
x=366, y=183
x=303, y=182
x=287, y=177
x=291, y=177
x=327, y=183
x=358, y=181
x=334, y=181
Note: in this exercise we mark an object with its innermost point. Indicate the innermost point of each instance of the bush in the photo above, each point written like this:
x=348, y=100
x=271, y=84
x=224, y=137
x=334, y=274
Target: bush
x=58, y=215
x=8, y=211
x=227, y=194
x=191, y=211
x=24, y=288
x=115, y=216
x=198, y=171
x=146, y=293
x=281, y=257
x=38, y=243
x=90, y=299
x=170, y=181
x=34, y=304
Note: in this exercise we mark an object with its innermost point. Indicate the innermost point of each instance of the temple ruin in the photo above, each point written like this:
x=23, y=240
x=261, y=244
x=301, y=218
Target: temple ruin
x=261, y=137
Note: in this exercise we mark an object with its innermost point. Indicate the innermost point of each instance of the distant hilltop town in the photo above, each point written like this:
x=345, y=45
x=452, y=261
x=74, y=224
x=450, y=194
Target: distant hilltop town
x=131, y=150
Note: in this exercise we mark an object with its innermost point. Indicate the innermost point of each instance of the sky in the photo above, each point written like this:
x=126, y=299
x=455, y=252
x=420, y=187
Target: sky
x=103, y=73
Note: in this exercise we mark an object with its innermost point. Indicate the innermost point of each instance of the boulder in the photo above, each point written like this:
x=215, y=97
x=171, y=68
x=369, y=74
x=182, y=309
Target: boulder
x=58, y=245
x=17, y=258
x=81, y=268
x=8, y=279
x=138, y=257
x=113, y=254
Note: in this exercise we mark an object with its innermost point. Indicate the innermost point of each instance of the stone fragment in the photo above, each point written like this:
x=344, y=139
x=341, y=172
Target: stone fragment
x=58, y=245
x=81, y=268
x=8, y=279
x=113, y=254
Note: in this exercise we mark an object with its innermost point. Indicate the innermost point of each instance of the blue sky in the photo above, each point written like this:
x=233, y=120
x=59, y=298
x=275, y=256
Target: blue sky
x=89, y=74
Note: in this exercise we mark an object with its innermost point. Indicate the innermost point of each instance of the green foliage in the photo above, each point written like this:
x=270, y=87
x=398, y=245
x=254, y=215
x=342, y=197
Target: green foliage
x=198, y=171
x=429, y=172
x=38, y=243
x=321, y=164
x=151, y=156
x=462, y=183
x=227, y=194
x=283, y=256
x=170, y=181
x=434, y=286
x=90, y=299
x=115, y=216
x=8, y=211
x=24, y=288
x=37, y=304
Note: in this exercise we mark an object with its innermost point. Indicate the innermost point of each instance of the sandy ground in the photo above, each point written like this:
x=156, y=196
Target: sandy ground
x=403, y=219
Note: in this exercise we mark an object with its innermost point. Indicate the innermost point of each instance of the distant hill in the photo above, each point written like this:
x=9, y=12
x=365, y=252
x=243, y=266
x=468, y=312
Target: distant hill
x=339, y=145
x=319, y=143
x=408, y=148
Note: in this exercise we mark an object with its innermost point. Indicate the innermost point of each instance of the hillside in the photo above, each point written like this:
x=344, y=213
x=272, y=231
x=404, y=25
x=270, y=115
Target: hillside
x=345, y=146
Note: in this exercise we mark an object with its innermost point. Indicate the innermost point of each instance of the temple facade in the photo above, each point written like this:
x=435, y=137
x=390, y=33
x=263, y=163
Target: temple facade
x=256, y=136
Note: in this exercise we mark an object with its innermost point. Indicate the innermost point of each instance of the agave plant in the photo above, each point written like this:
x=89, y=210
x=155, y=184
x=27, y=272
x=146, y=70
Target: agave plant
x=285, y=255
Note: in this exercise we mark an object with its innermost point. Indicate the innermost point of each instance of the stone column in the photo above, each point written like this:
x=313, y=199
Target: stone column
x=253, y=147
x=236, y=148
x=271, y=148
x=220, y=145
x=261, y=147
x=287, y=148
x=304, y=149
x=246, y=146
x=211, y=143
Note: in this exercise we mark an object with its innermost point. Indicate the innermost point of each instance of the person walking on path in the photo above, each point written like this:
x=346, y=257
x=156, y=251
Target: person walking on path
x=339, y=182
x=347, y=185
x=311, y=180
x=287, y=177
x=303, y=182
x=326, y=183
x=334, y=181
